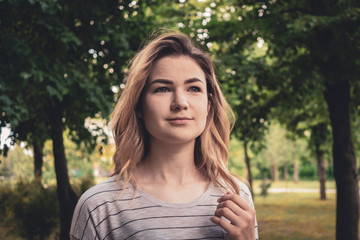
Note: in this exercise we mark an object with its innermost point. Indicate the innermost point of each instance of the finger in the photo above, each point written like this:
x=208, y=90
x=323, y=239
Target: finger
x=230, y=205
x=231, y=209
x=235, y=218
x=228, y=227
x=237, y=200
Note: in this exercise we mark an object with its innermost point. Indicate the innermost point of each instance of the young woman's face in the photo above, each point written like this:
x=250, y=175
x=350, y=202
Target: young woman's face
x=175, y=103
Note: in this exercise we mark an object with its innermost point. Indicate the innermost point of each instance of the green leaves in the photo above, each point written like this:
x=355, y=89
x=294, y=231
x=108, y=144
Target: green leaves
x=69, y=37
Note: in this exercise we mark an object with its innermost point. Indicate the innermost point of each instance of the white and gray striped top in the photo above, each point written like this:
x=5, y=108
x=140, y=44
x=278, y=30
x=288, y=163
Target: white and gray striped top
x=102, y=214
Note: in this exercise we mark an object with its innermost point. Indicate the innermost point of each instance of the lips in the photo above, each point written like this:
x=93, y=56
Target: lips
x=179, y=120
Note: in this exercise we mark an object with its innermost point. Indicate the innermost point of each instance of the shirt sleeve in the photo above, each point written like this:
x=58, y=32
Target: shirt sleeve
x=246, y=194
x=82, y=224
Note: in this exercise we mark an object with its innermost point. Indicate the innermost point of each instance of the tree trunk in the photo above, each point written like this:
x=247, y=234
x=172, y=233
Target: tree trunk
x=38, y=159
x=286, y=175
x=296, y=166
x=274, y=172
x=247, y=161
x=321, y=171
x=272, y=177
x=337, y=97
x=66, y=196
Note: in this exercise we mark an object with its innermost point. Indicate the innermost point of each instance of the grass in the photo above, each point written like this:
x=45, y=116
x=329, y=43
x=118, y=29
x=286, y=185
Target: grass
x=296, y=216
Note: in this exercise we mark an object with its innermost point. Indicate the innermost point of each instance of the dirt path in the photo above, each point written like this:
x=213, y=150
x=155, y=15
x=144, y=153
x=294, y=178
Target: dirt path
x=295, y=190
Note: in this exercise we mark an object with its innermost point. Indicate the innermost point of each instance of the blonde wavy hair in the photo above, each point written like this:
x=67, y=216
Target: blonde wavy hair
x=131, y=137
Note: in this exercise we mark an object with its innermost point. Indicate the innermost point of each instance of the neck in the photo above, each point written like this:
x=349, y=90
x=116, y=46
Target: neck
x=169, y=164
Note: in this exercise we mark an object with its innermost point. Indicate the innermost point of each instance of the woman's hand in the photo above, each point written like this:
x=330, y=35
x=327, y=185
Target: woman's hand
x=240, y=216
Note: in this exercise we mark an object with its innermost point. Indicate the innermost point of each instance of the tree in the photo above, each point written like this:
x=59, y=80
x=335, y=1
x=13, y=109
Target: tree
x=319, y=135
x=15, y=166
x=246, y=99
x=308, y=114
x=317, y=42
x=60, y=61
x=238, y=69
x=310, y=44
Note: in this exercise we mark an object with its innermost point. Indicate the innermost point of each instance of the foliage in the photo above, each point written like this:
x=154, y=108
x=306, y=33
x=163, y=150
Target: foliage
x=55, y=53
x=60, y=65
x=16, y=165
x=31, y=207
x=31, y=211
x=19, y=163
x=275, y=60
x=279, y=149
x=299, y=35
x=264, y=186
x=236, y=155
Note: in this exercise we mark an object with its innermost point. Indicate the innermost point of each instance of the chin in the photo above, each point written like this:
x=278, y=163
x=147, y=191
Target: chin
x=178, y=139
x=175, y=137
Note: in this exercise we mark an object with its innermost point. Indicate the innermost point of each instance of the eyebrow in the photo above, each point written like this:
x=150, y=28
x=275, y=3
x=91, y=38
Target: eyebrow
x=169, y=82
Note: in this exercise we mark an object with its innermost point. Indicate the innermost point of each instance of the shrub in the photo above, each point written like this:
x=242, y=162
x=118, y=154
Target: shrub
x=32, y=208
x=31, y=211
x=7, y=196
x=264, y=186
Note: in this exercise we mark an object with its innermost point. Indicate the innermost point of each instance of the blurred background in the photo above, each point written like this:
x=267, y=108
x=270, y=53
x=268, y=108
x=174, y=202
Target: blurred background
x=289, y=69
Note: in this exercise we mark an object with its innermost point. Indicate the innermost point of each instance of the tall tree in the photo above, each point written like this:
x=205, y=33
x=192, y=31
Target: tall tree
x=307, y=113
x=60, y=61
x=240, y=65
x=317, y=42
x=310, y=44
x=249, y=103
x=319, y=135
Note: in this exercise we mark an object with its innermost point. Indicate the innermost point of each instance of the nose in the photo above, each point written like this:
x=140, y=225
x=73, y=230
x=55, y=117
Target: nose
x=179, y=102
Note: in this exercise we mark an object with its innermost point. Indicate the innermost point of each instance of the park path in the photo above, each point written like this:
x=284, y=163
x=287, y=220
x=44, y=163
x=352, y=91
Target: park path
x=295, y=190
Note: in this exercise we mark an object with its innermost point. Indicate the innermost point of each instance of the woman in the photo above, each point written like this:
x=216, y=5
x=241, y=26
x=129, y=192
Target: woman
x=171, y=131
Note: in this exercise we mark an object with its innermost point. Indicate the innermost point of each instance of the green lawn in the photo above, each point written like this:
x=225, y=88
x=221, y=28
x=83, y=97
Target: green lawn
x=295, y=216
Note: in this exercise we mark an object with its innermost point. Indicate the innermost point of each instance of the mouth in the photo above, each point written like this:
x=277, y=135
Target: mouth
x=179, y=120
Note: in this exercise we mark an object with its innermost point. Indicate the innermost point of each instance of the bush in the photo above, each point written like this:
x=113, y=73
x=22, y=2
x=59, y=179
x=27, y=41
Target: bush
x=31, y=211
x=264, y=186
x=308, y=172
x=7, y=196
x=30, y=207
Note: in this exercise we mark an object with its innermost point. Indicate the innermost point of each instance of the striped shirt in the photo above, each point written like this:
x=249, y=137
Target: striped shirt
x=102, y=213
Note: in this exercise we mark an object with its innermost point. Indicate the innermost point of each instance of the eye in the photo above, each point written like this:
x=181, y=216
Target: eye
x=162, y=90
x=194, y=89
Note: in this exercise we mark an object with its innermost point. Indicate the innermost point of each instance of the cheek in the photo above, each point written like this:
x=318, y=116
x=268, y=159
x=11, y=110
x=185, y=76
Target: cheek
x=152, y=110
x=148, y=112
x=204, y=110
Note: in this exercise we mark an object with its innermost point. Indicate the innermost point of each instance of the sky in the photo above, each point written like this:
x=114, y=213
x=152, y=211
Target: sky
x=4, y=134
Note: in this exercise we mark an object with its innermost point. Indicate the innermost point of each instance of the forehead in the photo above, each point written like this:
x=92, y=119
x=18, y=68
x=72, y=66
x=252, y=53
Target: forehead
x=176, y=67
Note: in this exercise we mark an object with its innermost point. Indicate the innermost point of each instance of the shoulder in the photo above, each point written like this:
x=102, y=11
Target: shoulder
x=108, y=186
x=244, y=191
x=107, y=191
x=110, y=189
